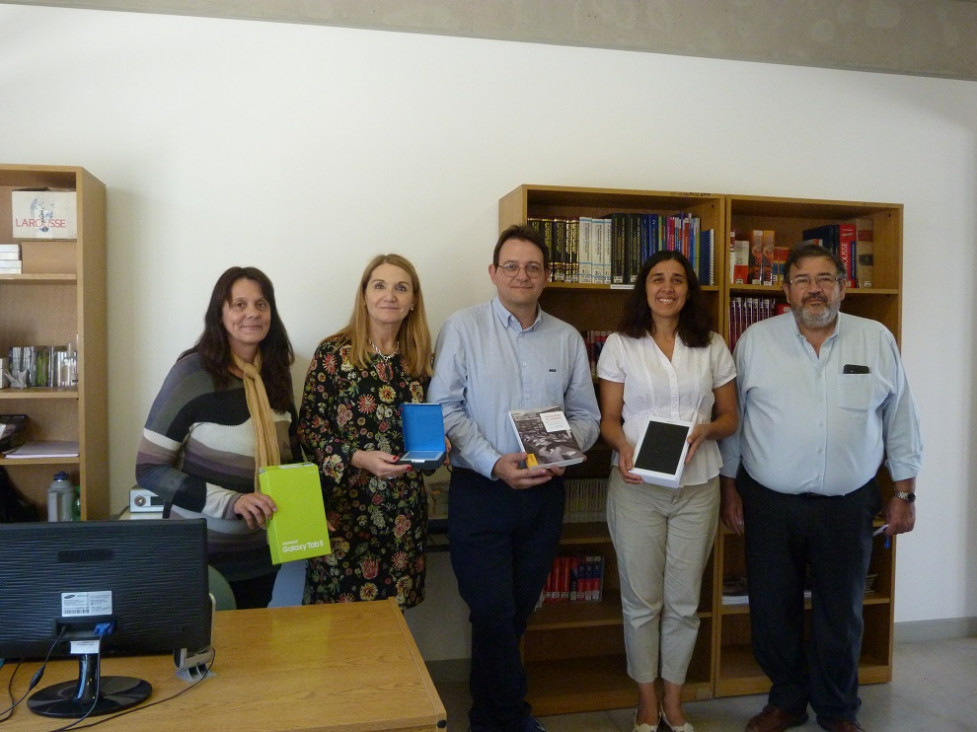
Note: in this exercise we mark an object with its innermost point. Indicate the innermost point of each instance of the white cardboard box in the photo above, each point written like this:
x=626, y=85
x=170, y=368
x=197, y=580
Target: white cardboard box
x=42, y=214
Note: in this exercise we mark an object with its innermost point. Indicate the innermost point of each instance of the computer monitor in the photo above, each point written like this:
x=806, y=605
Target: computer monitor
x=64, y=582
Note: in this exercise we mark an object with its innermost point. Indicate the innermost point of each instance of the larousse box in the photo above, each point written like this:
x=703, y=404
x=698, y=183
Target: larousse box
x=44, y=214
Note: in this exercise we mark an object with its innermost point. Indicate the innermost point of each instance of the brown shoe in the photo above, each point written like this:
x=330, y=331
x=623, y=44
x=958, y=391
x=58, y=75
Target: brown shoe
x=845, y=725
x=774, y=719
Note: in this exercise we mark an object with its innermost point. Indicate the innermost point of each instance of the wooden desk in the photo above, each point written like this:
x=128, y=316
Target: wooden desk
x=348, y=667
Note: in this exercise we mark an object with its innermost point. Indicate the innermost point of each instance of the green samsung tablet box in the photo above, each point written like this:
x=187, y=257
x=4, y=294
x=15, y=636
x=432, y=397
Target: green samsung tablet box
x=298, y=529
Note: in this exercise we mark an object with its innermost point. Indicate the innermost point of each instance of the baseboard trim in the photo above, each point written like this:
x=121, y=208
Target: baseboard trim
x=928, y=630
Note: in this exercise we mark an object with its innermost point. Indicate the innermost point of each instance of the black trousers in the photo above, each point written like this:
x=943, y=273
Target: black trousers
x=502, y=546
x=826, y=541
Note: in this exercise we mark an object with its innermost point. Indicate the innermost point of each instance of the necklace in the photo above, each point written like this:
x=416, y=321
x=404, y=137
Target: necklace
x=383, y=355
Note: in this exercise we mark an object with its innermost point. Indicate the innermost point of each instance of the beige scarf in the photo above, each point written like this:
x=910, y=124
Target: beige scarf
x=265, y=438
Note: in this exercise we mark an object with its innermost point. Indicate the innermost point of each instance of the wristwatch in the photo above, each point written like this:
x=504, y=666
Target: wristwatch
x=907, y=496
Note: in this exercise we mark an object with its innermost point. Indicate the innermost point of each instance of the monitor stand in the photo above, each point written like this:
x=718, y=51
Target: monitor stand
x=92, y=694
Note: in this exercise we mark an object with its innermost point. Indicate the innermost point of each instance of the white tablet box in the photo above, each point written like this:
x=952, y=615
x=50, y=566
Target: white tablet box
x=423, y=436
x=659, y=457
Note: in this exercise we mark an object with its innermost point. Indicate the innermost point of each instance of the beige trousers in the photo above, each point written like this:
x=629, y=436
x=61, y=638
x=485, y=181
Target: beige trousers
x=662, y=538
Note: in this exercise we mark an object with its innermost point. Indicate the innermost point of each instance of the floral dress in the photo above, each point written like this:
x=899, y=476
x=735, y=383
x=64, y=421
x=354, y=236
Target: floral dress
x=380, y=525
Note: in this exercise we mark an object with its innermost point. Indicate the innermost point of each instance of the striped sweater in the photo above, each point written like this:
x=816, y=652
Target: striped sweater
x=197, y=454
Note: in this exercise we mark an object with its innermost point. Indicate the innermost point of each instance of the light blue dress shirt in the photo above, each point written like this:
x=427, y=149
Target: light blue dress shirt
x=805, y=424
x=486, y=364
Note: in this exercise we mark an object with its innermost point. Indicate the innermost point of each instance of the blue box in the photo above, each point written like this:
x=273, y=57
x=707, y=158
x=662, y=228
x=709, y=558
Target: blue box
x=423, y=436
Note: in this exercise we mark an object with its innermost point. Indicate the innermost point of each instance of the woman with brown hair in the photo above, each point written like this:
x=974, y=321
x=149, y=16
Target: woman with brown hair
x=664, y=361
x=225, y=410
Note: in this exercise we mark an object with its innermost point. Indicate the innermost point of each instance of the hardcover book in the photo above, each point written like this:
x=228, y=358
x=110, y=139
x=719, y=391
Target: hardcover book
x=739, y=263
x=659, y=457
x=545, y=436
x=423, y=436
x=864, y=252
x=297, y=530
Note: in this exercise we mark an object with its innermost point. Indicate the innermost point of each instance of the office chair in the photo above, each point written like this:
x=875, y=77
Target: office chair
x=220, y=589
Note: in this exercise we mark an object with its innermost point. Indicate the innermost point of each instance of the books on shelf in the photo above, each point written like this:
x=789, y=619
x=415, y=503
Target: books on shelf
x=594, y=341
x=761, y=256
x=545, y=436
x=298, y=529
x=659, y=457
x=610, y=249
x=839, y=239
x=586, y=500
x=575, y=579
x=745, y=311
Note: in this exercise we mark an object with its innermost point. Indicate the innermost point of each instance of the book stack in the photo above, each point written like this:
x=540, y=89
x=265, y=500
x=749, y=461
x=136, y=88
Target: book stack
x=10, y=261
x=575, y=579
x=735, y=590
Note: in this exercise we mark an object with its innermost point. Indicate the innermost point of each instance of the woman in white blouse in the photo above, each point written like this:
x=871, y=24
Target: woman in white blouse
x=664, y=361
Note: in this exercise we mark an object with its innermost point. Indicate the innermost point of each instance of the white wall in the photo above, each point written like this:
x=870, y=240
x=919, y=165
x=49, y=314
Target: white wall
x=304, y=150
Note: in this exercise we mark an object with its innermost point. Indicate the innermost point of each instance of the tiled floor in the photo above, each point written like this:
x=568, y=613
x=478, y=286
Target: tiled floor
x=934, y=687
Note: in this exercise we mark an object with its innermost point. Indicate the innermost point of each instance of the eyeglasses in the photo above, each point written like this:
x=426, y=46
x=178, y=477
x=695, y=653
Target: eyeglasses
x=533, y=270
x=824, y=281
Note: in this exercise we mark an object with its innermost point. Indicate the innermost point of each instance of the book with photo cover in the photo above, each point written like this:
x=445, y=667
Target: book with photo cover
x=545, y=436
x=659, y=457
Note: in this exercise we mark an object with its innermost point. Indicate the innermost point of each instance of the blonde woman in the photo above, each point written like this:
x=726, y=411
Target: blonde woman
x=350, y=426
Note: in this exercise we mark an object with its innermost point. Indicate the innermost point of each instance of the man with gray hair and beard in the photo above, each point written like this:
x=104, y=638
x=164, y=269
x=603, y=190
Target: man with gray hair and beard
x=823, y=399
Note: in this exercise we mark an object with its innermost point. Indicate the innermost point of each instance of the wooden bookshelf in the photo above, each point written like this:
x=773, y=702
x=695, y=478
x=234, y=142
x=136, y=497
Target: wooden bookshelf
x=574, y=655
x=59, y=299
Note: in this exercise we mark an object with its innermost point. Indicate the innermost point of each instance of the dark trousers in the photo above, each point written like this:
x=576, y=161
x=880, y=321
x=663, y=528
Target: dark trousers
x=788, y=536
x=254, y=592
x=503, y=542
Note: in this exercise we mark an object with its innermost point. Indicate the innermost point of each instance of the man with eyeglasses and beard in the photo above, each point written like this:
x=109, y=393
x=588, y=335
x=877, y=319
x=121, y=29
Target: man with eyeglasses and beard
x=823, y=398
x=504, y=519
